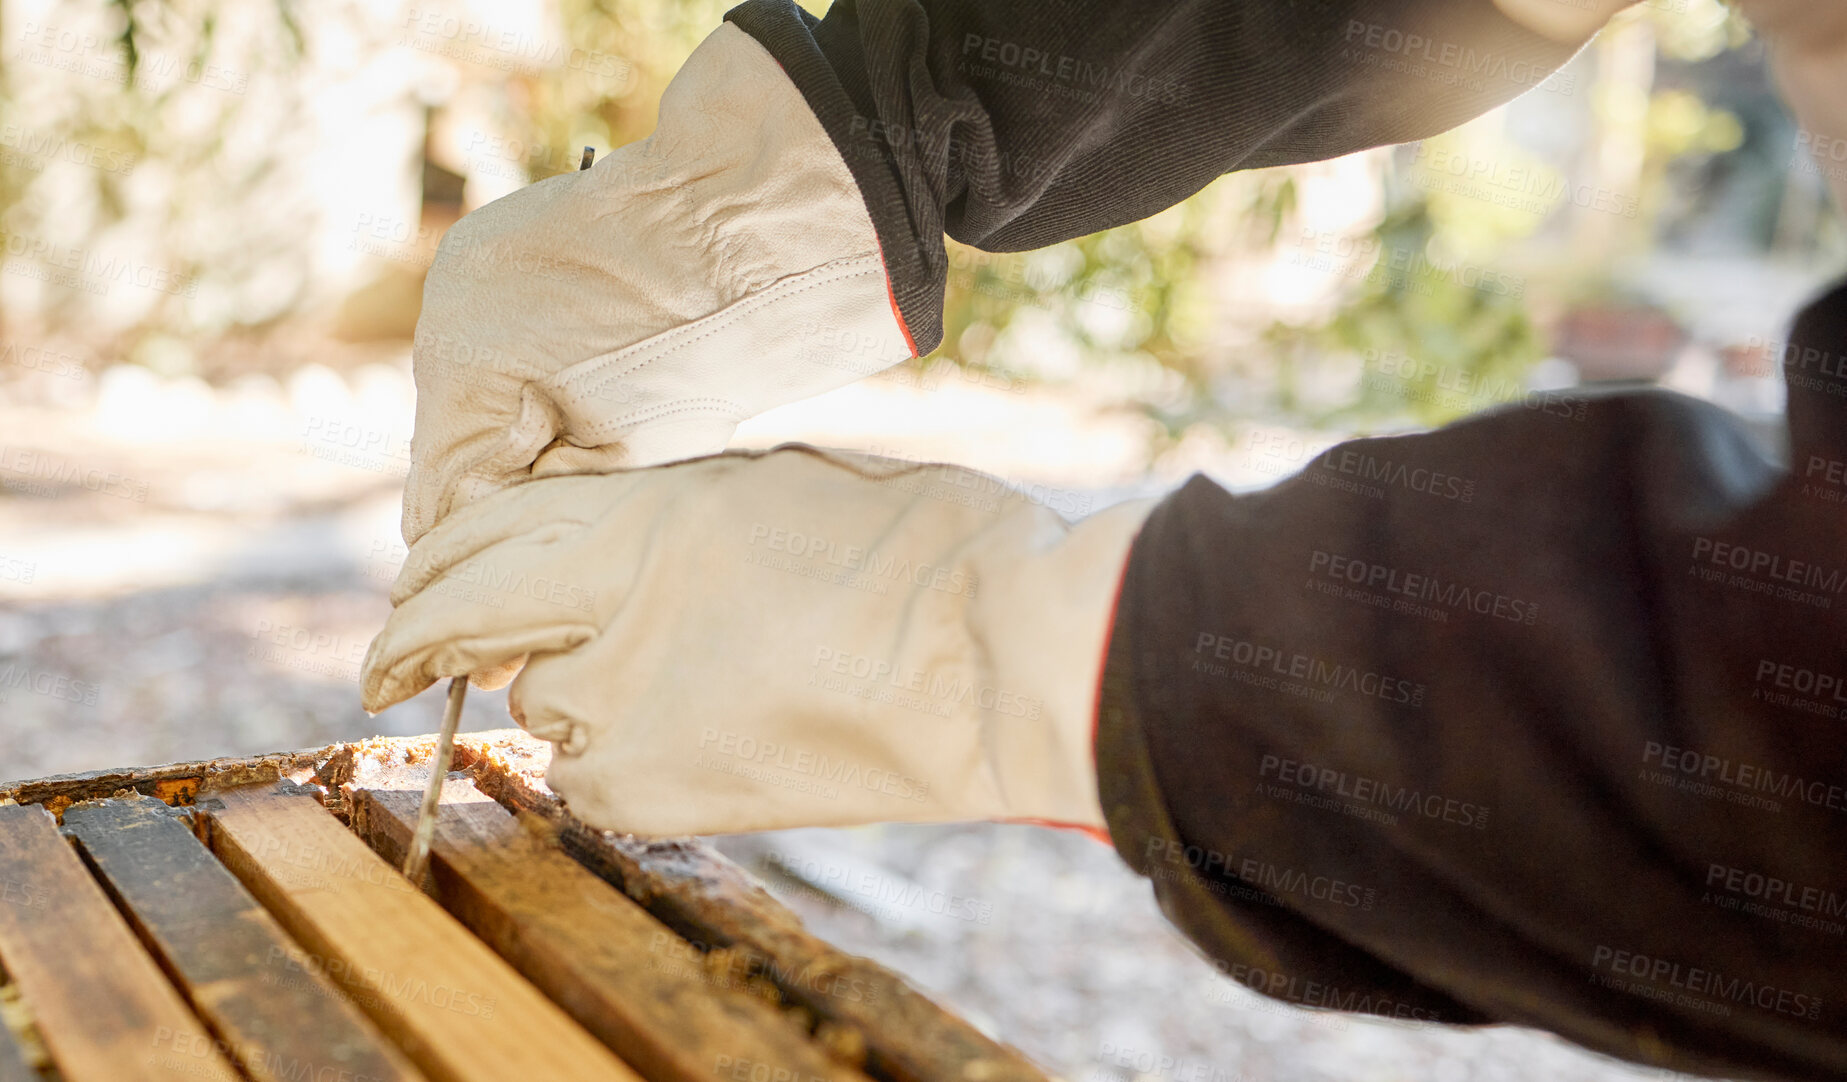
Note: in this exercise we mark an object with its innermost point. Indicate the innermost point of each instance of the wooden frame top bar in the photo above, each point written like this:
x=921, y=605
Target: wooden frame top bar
x=723, y=920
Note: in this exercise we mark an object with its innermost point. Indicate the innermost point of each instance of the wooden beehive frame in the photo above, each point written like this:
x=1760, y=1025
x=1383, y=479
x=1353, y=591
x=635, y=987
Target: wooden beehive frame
x=662, y=951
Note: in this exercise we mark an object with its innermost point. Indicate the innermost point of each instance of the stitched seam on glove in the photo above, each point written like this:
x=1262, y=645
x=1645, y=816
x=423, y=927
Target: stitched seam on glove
x=718, y=407
x=572, y=379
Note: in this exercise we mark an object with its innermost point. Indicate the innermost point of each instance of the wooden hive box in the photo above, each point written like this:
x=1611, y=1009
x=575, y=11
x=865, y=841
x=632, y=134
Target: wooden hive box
x=245, y=919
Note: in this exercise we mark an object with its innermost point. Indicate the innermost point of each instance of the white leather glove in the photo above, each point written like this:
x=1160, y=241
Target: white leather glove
x=635, y=312
x=796, y=638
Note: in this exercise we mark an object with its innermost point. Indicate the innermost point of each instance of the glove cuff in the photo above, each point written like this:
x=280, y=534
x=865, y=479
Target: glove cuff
x=1044, y=616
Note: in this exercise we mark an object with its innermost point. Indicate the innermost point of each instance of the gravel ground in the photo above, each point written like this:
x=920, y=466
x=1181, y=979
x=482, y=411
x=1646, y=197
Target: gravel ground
x=1046, y=940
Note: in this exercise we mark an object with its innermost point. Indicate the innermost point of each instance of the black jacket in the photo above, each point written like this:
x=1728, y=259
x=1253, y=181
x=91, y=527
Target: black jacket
x=1539, y=718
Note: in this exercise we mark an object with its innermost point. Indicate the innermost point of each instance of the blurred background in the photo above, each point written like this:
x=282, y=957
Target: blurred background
x=216, y=218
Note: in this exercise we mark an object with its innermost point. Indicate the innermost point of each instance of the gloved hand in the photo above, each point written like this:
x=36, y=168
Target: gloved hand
x=635, y=312
x=796, y=638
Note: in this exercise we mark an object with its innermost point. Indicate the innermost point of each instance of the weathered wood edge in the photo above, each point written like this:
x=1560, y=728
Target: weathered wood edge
x=657, y=1007
x=178, y=784
x=720, y=908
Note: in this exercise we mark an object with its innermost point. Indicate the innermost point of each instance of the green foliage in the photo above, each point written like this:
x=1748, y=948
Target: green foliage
x=158, y=100
x=1154, y=311
x=1138, y=299
x=1435, y=340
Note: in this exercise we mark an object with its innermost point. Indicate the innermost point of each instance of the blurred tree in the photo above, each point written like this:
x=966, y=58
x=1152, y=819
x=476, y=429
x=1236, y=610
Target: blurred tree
x=1161, y=312
x=1432, y=321
x=122, y=105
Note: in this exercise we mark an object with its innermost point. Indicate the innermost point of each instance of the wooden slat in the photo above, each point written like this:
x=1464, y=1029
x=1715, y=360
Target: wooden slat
x=102, y=1006
x=623, y=974
x=682, y=882
x=714, y=903
x=281, y=1021
x=174, y=783
x=460, y=1011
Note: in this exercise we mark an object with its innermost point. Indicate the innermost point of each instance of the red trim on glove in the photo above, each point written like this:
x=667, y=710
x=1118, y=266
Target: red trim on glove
x=903, y=328
x=1099, y=833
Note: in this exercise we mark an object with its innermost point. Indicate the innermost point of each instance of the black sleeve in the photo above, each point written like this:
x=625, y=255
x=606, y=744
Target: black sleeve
x=1540, y=718
x=1013, y=124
